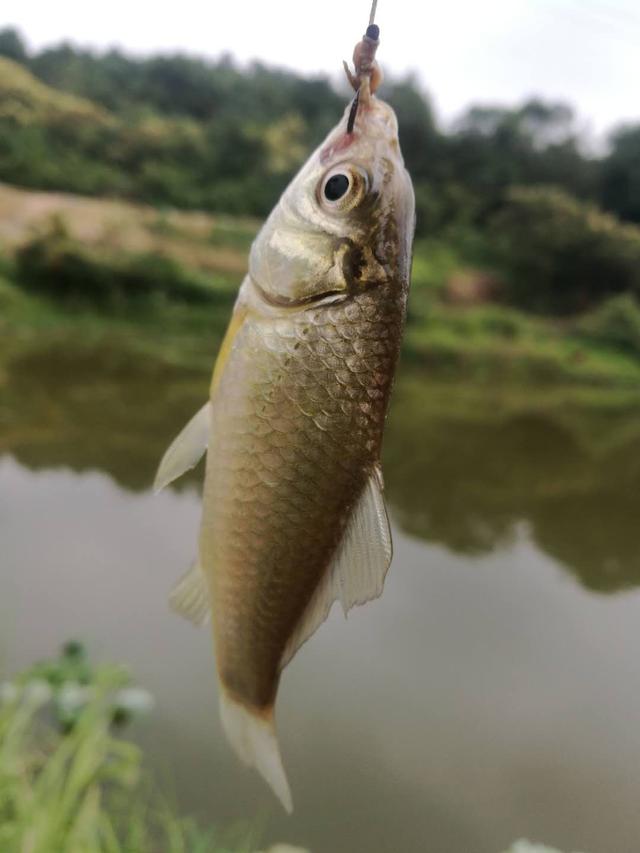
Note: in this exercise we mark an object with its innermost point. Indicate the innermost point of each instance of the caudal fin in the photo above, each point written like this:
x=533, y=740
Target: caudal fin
x=253, y=738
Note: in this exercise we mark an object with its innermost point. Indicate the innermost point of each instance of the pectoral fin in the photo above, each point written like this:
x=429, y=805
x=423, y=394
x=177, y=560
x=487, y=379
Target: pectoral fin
x=186, y=450
x=359, y=567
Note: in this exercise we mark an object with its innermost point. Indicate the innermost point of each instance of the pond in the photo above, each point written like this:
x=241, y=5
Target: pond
x=493, y=692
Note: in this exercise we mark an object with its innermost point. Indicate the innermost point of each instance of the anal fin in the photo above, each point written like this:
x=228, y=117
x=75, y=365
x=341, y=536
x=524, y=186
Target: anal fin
x=186, y=450
x=190, y=597
x=359, y=566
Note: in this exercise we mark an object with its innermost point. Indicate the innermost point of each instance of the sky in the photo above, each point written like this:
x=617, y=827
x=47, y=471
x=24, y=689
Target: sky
x=488, y=51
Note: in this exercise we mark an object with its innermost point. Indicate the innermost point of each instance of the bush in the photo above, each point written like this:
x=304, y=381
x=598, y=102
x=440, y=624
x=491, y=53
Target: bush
x=616, y=323
x=562, y=256
x=56, y=265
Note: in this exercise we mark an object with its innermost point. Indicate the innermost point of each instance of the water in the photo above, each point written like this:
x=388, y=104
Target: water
x=492, y=693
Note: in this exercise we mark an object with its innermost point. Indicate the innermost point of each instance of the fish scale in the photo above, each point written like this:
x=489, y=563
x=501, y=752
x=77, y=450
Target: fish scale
x=277, y=530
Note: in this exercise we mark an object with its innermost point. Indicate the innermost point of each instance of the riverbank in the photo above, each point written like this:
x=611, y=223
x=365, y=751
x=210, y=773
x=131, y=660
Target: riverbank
x=162, y=284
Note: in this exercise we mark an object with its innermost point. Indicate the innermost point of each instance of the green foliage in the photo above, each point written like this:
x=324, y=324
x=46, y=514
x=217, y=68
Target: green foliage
x=54, y=264
x=83, y=789
x=480, y=340
x=12, y=45
x=181, y=132
x=616, y=323
x=535, y=143
x=169, y=130
x=561, y=256
x=620, y=179
x=71, y=682
x=25, y=100
x=191, y=133
x=199, y=134
x=54, y=140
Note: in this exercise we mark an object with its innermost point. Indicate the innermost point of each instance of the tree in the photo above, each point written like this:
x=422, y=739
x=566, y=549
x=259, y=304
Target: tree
x=620, y=181
x=562, y=256
x=12, y=45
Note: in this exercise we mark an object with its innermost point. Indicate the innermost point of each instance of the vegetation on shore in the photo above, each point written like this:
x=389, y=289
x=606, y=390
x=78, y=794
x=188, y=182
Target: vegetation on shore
x=71, y=781
x=163, y=284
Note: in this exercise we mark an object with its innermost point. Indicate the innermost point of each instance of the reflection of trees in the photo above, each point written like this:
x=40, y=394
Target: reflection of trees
x=463, y=476
x=460, y=470
x=95, y=409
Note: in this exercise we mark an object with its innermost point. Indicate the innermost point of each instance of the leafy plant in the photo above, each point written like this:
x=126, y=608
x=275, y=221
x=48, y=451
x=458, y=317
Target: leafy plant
x=77, y=785
x=562, y=256
x=616, y=323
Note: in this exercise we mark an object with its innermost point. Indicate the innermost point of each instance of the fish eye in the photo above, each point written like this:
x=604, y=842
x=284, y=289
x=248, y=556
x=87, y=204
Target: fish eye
x=342, y=188
x=336, y=186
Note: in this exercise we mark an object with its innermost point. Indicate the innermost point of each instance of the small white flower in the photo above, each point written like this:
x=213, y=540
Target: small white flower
x=135, y=700
x=286, y=848
x=72, y=697
x=524, y=846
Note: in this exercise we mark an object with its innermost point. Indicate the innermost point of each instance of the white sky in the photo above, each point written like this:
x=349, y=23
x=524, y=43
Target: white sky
x=584, y=51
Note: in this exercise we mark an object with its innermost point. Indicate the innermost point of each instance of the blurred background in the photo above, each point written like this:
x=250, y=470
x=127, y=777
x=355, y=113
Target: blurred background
x=494, y=691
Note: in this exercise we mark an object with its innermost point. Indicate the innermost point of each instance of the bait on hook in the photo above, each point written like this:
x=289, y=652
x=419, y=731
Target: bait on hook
x=367, y=76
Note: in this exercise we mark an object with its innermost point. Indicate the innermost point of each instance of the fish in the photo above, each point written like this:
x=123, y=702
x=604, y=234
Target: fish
x=293, y=511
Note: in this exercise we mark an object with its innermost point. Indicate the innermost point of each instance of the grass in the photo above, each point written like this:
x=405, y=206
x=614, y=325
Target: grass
x=82, y=787
x=476, y=341
x=496, y=341
x=84, y=792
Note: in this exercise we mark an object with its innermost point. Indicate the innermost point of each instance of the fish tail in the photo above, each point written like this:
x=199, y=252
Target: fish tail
x=251, y=733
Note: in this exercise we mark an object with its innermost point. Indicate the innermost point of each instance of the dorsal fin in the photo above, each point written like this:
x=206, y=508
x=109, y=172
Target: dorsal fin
x=359, y=567
x=186, y=450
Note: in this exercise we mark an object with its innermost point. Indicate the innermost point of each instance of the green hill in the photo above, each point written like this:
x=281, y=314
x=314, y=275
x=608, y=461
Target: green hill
x=231, y=162
x=194, y=133
x=25, y=100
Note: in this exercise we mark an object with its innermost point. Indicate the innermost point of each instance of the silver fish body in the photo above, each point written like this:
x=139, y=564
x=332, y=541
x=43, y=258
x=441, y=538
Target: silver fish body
x=292, y=508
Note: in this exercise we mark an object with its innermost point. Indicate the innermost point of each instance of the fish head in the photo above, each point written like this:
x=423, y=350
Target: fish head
x=345, y=222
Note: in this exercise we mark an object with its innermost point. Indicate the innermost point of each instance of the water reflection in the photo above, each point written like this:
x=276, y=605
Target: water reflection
x=95, y=409
x=481, y=699
x=465, y=465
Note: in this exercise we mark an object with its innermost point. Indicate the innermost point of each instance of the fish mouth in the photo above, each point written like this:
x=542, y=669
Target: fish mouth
x=363, y=121
x=378, y=118
x=325, y=297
